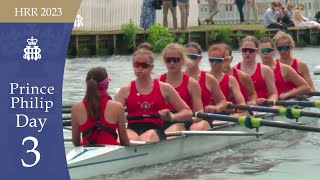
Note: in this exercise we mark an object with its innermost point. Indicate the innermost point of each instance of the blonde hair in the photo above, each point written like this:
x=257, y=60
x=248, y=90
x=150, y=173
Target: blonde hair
x=144, y=52
x=176, y=47
x=250, y=39
x=146, y=45
x=283, y=36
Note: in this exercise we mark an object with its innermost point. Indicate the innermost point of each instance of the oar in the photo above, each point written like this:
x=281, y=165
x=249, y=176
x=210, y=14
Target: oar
x=315, y=103
x=287, y=112
x=315, y=93
x=213, y=133
x=252, y=122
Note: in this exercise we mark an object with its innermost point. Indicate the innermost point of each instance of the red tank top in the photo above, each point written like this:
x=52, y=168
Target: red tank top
x=104, y=137
x=280, y=83
x=224, y=86
x=242, y=89
x=258, y=81
x=139, y=104
x=205, y=93
x=289, y=85
x=182, y=89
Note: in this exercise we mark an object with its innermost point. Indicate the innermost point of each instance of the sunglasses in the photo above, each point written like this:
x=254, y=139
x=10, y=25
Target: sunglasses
x=266, y=50
x=248, y=50
x=172, y=59
x=193, y=56
x=215, y=60
x=144, y=65
x=283, y=48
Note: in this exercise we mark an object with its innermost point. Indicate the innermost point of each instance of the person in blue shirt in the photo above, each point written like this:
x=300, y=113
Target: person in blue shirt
x=271, y=16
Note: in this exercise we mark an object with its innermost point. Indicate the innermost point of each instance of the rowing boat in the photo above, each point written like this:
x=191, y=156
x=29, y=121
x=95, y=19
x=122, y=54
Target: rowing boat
x=84, y=162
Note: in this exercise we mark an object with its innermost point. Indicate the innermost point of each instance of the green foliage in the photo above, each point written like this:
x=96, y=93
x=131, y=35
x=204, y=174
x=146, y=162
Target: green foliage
x=221, y=34
x=103, y=51
x=129, y=33
x=84, y=52
x=159, y=37
x=260, y=33
x=181, y=39
x=301, y=43
x=315, y=40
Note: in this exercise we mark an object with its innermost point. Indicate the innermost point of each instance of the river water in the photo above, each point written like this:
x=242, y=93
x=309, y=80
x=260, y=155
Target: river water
x=293, y=156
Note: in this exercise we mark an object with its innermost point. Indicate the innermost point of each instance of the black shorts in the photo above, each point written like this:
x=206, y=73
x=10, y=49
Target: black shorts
x=140, y=128
x=185, y=124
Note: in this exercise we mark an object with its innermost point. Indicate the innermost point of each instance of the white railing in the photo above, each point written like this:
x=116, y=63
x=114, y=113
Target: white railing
x=110, y=15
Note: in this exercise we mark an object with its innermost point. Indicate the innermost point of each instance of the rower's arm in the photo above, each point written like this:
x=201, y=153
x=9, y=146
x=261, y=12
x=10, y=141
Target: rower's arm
x=171, y=96
x=122, y=95
x=235, y=89
x=123, y=136
x=305, y=73
x=75, y=110
x=195, y=93
x=216, y=93
x=291, y=75
x=249, y=87
x=269, y=80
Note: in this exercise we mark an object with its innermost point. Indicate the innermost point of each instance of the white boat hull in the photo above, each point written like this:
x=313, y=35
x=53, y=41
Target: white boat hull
x=86, y=162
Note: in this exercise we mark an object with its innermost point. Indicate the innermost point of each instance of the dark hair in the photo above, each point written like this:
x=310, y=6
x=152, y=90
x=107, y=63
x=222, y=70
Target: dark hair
x=146, y=46
x=94, y=77
x=267, y=40
x=195, y=46
x=317, y=16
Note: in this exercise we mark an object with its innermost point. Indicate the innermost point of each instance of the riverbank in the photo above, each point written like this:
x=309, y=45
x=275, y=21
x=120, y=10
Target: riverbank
x=90, y=43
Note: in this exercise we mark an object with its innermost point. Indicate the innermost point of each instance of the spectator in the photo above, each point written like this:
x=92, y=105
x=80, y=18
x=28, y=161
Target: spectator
x=213, y=10
x=287, y=15
x=240, y=4
x=184, y=12
x=271, y=17
x=169, y=4
x=148, y=14
x=317, y=17
x=301, y=21
x=251, y=4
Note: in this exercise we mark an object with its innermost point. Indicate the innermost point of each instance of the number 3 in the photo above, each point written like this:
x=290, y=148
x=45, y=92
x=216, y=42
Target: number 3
x=35, y=152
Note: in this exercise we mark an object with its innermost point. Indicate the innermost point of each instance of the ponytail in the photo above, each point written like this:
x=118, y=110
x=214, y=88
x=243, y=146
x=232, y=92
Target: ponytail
x=93, y=99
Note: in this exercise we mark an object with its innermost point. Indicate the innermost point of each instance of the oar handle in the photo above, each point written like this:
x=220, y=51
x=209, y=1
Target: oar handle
x=315, y=93
x=293, y=103
x=253, y=108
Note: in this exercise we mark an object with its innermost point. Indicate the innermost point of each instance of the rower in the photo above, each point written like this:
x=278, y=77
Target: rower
x=243, y=79
x=98, y=117
x=209, y=85
x=188, y=88
x=228, y=84
x=285, y=44
x=261, y=75
x=283, y=73
x=147, y=96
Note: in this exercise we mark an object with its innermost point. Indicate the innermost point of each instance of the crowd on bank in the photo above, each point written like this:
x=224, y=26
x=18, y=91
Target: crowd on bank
x=276, y=16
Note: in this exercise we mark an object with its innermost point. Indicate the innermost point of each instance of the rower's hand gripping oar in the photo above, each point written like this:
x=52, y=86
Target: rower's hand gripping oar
x=253, y=122
x=315, y=103
x=290, y=113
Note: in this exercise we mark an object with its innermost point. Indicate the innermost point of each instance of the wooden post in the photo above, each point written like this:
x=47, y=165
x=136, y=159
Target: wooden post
x=77, y=44
x=207, y=39
x=97, y=44
x=115, y=44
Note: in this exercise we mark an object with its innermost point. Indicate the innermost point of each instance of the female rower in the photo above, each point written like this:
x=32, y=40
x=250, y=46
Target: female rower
x=98, y=117
x=188, y=88
x=285, y=44
x=261, y=75
x=228, y=84
x=208, y=84
x=146, y=96
x=282, y=72
x=243, y=79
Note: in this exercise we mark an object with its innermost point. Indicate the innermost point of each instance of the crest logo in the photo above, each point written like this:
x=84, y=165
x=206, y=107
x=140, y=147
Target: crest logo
x=32, y=51
x=78, y=21
x=145, y=105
